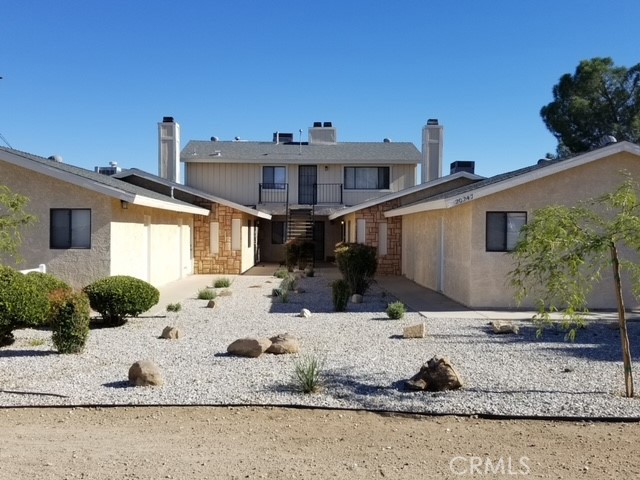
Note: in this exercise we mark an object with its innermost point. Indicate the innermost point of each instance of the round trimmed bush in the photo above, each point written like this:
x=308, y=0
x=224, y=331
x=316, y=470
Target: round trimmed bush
x=121, y=296
x=70, y=320
x=396, y=310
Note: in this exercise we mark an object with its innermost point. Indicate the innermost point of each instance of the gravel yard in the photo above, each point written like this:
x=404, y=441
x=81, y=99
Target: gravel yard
x=364, y=354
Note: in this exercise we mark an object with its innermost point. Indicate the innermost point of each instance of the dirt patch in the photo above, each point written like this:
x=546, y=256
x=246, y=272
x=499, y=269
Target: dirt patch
x=217, y=442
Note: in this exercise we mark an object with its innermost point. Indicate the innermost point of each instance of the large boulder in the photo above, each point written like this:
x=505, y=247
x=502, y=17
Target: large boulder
x=415, y=331
x=284, y=343
x=171, y=333
x=436, y=375
x=249, y=347
x=145, y=373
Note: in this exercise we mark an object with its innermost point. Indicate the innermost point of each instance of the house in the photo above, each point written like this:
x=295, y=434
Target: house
x=92, y=225
x=457, y=241
x=299, y=185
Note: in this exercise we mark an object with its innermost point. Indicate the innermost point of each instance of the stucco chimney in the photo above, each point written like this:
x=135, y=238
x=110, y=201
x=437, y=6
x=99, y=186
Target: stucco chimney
x=432, y=142
x=169, y=149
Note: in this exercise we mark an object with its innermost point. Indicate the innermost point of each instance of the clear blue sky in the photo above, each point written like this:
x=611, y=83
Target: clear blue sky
x=90, y=80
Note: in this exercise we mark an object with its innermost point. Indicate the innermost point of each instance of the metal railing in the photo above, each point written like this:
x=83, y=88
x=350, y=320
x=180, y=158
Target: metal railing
x=273, y=193
x=327, y=193
x=323, y=193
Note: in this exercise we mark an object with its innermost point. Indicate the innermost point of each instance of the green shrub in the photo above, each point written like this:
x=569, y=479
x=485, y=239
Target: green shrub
x=206, y=294
x=281, y=273
x=70, y=320
x=358, y=264
x=308, y=372
x=23, y=303
x=396, y=310
x=174, y=307
x=298, y=253
x=222, y=283
x=120, y=296
x=341, y=292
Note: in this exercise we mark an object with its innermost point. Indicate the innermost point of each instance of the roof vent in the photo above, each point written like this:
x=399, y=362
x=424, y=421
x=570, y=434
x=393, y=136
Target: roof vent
x=607, y=140
x=317, y=124
x=327, y=124
x=214, y=139
x=463, y=166
x=56, y=158
x=387, y=140
x=167, y=119
x=432, y=121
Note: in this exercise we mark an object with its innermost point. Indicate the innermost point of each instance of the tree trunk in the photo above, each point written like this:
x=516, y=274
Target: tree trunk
x=622, y=320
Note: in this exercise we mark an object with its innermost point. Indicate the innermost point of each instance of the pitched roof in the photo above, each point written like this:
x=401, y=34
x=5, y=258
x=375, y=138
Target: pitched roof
x=511, y=179
x=296, y=153
x=97, y=182
x=172, y=187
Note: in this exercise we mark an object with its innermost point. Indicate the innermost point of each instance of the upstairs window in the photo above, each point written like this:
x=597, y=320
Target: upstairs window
x=366, y=178
x=70, y=228
x=503, y=230
x=274, y=177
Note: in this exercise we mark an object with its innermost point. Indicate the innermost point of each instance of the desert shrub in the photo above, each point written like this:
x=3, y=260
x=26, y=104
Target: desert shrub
x=308, y=372
x=358, y=264
x=298, y=252
x=206, y=294
x=396, y=310
x=309, y=271
x=121, y=296
x=174, y=307
x=23, y=303
x=340, y=294
x=69, y=313
x=222, y=283
x=288, y=283
x=281, y=273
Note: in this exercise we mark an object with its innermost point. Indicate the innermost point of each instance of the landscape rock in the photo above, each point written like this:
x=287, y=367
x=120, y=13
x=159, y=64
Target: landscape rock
x=171, y=333
x=304, y=313
x=211, y=304
x=225, y=293
x=145, y=373
x=504, y=327
x=436, y=375
x=283, y=344
x=415, y=331
x=356, y=298
x=249, y=347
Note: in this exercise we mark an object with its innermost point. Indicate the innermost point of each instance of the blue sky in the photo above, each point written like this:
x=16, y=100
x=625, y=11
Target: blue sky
x=89, y=80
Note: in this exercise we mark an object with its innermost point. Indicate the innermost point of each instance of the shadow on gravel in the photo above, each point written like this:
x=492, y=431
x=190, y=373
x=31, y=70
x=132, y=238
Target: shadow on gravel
x=120, y=384
x=529, y=391
x=26, y=353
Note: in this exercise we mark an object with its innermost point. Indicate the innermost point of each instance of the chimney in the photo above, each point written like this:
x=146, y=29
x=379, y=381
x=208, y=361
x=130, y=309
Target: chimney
x=432, y=142
x=463, y=166
x=169, y=149
x=323, y=134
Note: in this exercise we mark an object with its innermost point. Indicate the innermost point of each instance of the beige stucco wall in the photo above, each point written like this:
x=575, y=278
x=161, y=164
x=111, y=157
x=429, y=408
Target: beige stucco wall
x=488, y=276
x=75, y=266
x=159, y=252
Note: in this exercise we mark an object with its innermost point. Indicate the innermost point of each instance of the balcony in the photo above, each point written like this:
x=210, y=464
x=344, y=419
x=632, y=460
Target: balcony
x=316, y=194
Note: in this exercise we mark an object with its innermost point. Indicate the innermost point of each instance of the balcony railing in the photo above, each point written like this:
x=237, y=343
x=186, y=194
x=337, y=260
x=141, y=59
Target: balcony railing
x=327, y=193
x=323, y=193
x=273, y=193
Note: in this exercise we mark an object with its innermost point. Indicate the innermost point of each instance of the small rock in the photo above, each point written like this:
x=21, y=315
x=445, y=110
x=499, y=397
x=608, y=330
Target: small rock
x=504, y=327
x=284, y=343
x=436, y=375
x=211, y=304
x=145, y=373
x=225, y=293
x=304, y=313
x=249, y=347
x=415, y=331
x=171, y=333
x=356, y=298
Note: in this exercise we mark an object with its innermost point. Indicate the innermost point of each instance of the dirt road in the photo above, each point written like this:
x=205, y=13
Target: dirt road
x=228, y=443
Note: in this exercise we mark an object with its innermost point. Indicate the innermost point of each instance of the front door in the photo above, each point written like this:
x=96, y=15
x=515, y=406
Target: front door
x=307, y=178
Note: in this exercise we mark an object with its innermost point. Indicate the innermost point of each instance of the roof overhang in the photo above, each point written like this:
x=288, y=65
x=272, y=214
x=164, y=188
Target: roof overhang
x=475, y=194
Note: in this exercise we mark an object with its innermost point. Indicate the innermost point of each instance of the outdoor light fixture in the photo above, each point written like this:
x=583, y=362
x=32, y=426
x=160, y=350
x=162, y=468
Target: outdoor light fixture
x=124, y=204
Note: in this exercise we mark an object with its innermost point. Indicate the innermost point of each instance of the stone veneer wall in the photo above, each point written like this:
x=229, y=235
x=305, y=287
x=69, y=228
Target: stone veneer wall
x=227, y=261
x=391, y=263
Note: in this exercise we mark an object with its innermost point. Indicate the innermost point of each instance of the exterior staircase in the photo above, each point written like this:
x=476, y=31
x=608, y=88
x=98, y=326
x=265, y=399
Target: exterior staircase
x=300, y=228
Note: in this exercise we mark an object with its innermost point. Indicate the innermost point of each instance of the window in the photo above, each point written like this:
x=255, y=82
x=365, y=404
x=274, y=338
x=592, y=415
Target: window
x=236, y=234
x=503, y=230
x=214, y=238
x=277, y=232
x=274, y=177
x=366, y=178
x=70, y=228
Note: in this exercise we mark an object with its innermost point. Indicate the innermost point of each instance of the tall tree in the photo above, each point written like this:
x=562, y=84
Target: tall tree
x=562, y=252
x=12, y=218
x=599, y=99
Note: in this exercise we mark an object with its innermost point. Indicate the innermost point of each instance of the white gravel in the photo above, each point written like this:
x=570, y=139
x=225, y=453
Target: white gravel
x=365, y=360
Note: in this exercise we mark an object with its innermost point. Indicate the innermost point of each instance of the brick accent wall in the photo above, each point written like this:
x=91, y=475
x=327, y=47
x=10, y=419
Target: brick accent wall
x=226, y=261
x=391, y=263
